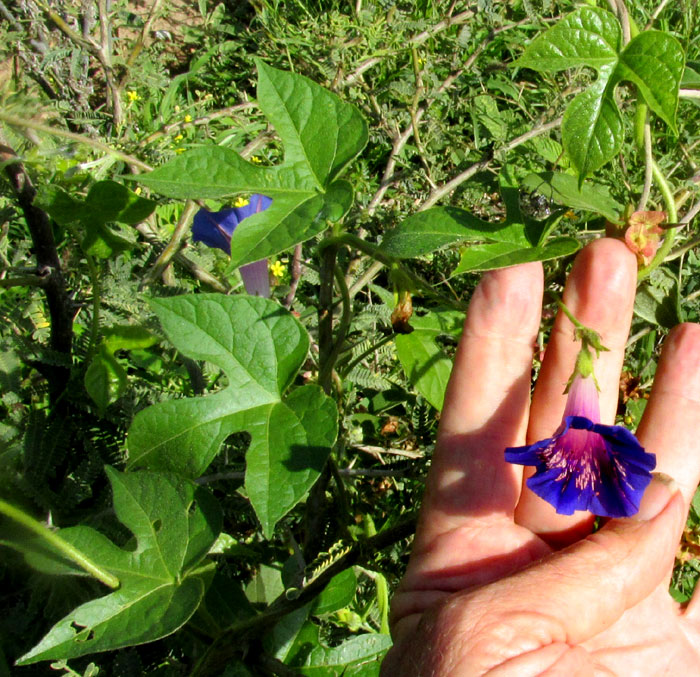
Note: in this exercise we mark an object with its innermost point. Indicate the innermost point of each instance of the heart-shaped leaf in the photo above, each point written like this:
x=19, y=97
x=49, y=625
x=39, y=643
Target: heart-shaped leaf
x=591, y=130
x=260, y=347
x=174, y=523
x=587, y=37
x=654, y=61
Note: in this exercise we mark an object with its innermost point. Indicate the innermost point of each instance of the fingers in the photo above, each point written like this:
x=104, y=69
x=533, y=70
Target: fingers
x=486, y=405
x=600, y=293
x=568, y=598
x=671, y=423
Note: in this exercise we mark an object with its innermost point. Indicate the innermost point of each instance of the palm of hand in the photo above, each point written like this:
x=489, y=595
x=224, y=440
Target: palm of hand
x=471, y=603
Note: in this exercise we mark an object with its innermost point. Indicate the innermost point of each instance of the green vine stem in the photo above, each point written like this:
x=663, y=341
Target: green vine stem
x=672, y=215
x=65, y=548
x=376, y=253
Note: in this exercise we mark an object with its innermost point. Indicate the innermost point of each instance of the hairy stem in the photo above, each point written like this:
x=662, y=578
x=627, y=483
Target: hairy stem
x=672, y=213
x=65, y=548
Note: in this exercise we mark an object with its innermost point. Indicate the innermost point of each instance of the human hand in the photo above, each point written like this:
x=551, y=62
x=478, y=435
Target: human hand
x=499, y=584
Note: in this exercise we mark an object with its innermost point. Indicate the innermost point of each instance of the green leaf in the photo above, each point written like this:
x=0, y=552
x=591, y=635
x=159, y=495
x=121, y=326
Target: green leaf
x=128, y=337
x=492, y=256
x=299, y=109
x=310, y=657
x=321, y=135
x=260, y=346
x=424, y=362
x=586, y=37
x=659, y=306
x=290, y=446
x=106, y=202
x=591, y=130
x=105, y=379
x=339, y=592
x=564, y=189
x=111, y=201
x=438, y=227
x=174, y=523
x=654, y=61
x=285, y=222
x=266, y=586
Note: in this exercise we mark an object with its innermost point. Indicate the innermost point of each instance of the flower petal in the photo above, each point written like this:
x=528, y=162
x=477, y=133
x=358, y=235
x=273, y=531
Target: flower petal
x=256, y=278
x=602, y=468
x=215, y=228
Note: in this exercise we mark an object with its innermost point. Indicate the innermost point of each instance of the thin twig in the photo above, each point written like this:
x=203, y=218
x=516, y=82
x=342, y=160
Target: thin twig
x=655, y=14
x=364, y=279
x=455, y=20
x=197, y=271
x=24, y=281
x=447, y=188
x=175, y=244
x=401, y=139
x=203, y=120
x=378, y=451
x=79, y=138
x=295, y=272
x=141, y=40
x=624, y=17
x=101, y=52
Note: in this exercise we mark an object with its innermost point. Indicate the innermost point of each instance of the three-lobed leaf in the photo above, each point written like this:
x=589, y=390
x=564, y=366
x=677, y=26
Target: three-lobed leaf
x=592, y=128
x=162, y=582
x=321, y=135
x=260, y=347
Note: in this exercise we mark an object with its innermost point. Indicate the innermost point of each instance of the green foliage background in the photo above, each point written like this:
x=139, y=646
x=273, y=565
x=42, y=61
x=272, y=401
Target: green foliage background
x=450, y=157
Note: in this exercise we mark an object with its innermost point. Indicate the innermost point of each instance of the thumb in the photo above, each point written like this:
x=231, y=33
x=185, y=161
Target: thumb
x=582, y=590
x=563, y=600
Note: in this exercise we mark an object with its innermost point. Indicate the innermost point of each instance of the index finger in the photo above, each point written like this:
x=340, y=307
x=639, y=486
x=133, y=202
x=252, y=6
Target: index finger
x=486, y=405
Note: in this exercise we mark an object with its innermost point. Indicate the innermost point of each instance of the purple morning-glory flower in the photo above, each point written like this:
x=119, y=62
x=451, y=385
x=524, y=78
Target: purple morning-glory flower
x=586, y=465
x=216, y=228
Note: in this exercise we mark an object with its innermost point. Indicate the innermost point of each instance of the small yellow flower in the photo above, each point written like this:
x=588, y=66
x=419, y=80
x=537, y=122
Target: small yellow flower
x=137, y=190
x=178, y=138
x=421, y=62
x=132, y=95
x=571, y=214
x=255, y=160
x=277, y=269
x=241, y=201
x=179, y=150
x=188, y=118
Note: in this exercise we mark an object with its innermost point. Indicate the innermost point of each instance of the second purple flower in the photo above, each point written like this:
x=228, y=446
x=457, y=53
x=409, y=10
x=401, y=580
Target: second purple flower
x=215, y=229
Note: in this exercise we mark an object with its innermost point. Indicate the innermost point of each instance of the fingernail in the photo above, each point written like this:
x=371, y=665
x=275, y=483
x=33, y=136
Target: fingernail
x=656, y=497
